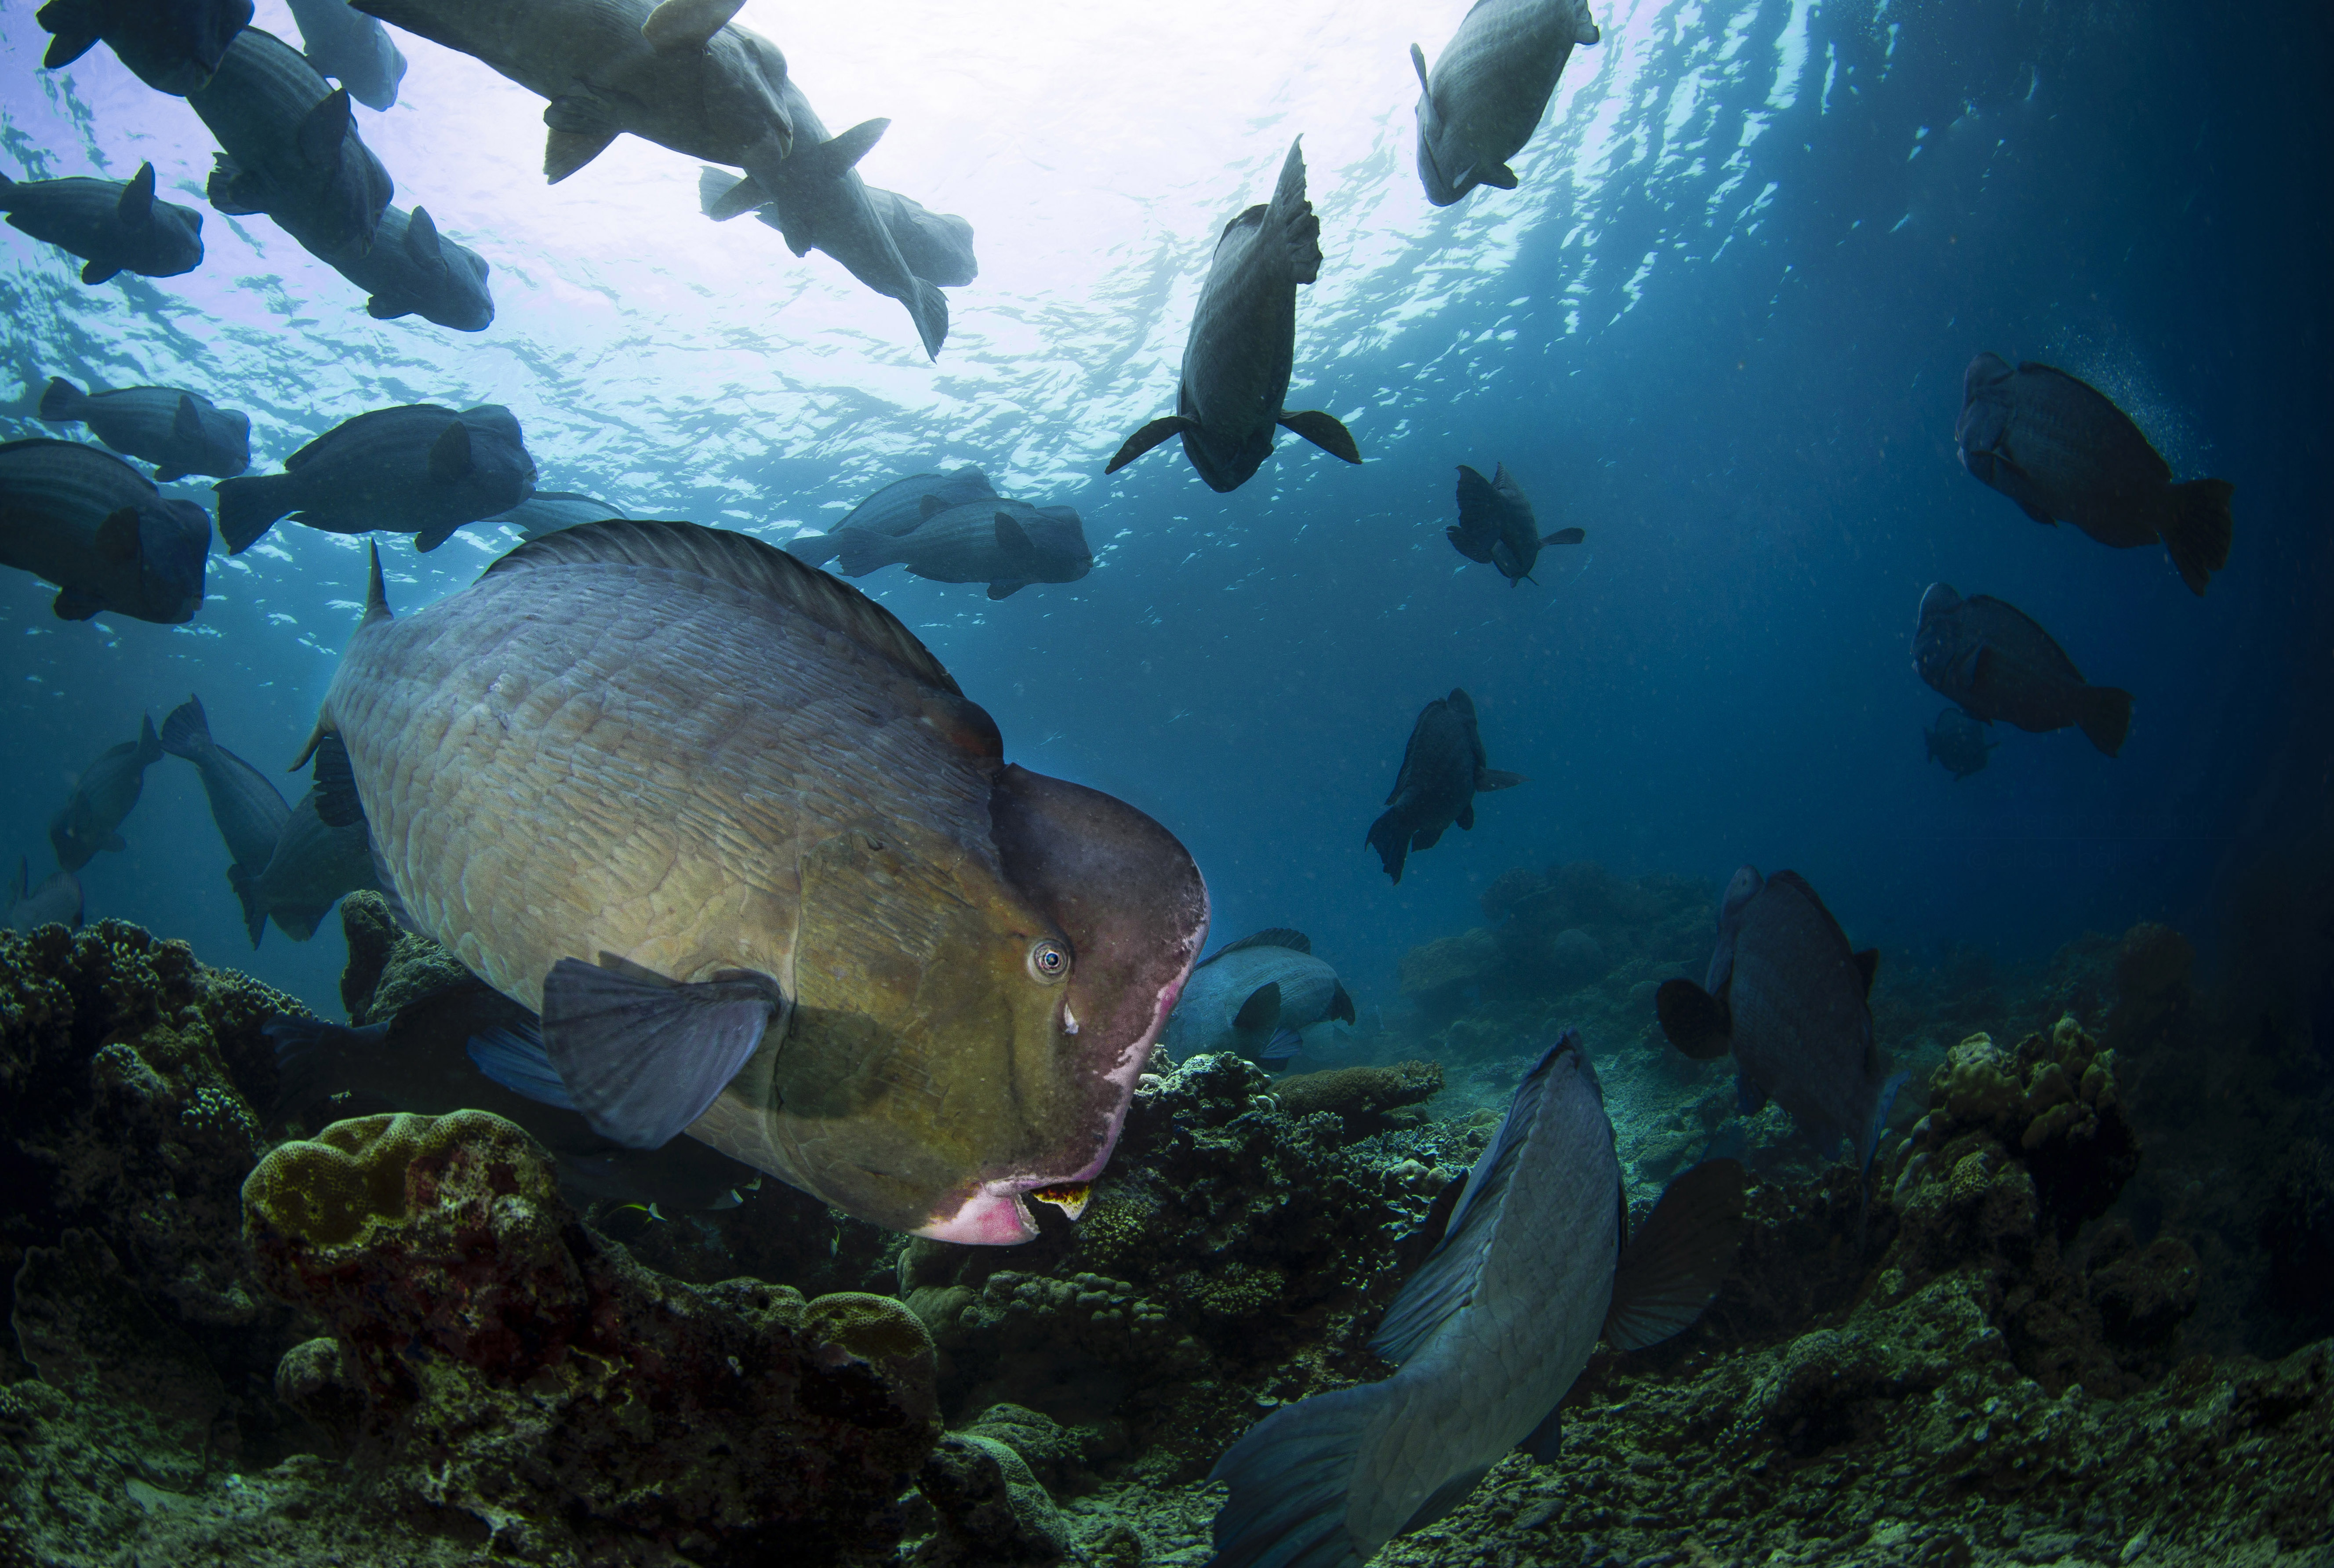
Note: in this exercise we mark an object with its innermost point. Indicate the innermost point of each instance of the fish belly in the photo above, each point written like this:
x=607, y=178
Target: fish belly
x=2090, y=471
x=1494, y=83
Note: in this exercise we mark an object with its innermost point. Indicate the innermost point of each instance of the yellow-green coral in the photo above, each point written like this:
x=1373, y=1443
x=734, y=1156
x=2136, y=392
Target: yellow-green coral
x=870, y=1327
x=332, y=1189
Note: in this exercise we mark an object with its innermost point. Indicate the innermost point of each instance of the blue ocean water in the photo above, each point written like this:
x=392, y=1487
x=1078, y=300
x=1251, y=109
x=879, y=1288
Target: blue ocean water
x=1720, y=325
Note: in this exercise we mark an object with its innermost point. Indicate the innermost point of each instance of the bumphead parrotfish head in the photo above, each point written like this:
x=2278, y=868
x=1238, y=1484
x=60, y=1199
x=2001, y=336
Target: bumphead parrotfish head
x=966, y=1033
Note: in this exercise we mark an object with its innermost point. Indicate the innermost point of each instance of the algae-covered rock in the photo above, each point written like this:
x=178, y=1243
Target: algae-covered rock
x=992, y=1512
x=388, y=967
x=519, y=1370
x=1365, y=1099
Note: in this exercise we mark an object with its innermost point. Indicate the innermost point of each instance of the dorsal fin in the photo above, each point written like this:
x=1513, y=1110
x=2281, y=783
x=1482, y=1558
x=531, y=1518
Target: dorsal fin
x=376, y=597
x=743, y=562
x=1277, y=936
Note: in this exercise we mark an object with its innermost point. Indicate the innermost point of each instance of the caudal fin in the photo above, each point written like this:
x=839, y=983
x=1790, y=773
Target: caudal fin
x=62, y=403
x=186, y=732
x=2198, y=537
x=2107, y=717
x=814, y=549
x=248, y=508
x=1392, y=841
x=929, y=306
x=255, y=906
x=862, y=552
x=1289, y=1481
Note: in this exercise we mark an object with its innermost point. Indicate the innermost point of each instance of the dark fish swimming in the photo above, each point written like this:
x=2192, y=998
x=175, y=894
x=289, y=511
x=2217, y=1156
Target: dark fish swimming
x=1534, y=1267
x=99, y=529
x=1496, y=525
x=1958, y=741
x=410, y=269
x=935, y=246
x=1786, y=995
x=322, y=854
x=1243, y=345
x=928, y=993
x=112, y=226
x=1487, y=94
x=899, y=508
x=1442, y=768
x=1255, y=997
x=55, y=902
x=418, y=468
x=289, y=147
x=1997, y=663
x=170, y=46
x=548, y=511
x=179, y=432
x=351, y=48
x=2060, y=448
x=1007, y=544
x=92, y=820
x=245, y=808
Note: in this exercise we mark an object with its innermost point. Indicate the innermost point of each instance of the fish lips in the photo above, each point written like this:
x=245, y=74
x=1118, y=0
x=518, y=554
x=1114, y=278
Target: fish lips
x=1131, y=901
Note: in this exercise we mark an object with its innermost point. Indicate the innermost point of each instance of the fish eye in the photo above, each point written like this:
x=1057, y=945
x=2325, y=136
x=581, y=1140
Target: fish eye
x=1050, y=962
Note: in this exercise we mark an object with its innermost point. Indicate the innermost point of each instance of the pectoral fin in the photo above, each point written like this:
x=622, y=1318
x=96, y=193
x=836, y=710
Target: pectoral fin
x=422, y=240
x=685, y=26
x=1260, y=1013
x=1149, y=436
x=1565, y=536
x=641, y=1056
x=1672, y=1268
x=75, y=604
x=1499, y=176
x=1696, y=1023
x=337, y=805
x=832, y=159
x=1005, y=590
x=98, y=271
x=117, y=537
x=723, y=197
x=929, y=507
x=324, y=129
x=1324, y=431
x=136, y=207
x=1498, y=779
x=1418, y=64
x=1868, y=963
x=1011, y=538
x=449, y=455
x=1544, y=1441
x=580, y=130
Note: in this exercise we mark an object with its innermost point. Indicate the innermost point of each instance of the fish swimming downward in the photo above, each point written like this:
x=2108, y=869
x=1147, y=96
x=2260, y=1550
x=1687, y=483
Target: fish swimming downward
x=1996, y=662
x=246, y=807
x=1533, y=1267
x=1243, y=345
x=1786, y=995
x=761, y=869
x=102, y=799
x=1257, y=997
x=1487, y=94
x=1496, y=525
x=1442, y=768
x=289, y=147
x=322, y=853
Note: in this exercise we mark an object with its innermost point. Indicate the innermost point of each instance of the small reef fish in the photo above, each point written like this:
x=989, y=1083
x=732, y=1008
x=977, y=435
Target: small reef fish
x=899, y=508
x=416, y=469
x=1993, y=660
x=2060, y=448
x=179, y=432
x=173, y=46
x=1255, y=997
x=1786, y=995
x=1007, y=544
x=1958, y=741
x=548, y=511
x=322, y=854
x=92, y=818
x=112, y=226
x=1496, y=527
x=1534, y=1267
x=1442, y=768
x=1243, y=345
x=55, y=902
x=410, y=269
x=928, y=992
x=247, y=808
x=98, y=529
x=290, y=147
x=353, y=49
x=1488, y=91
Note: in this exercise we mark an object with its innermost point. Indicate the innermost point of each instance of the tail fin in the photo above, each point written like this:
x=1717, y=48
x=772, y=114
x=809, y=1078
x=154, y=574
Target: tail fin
x=722, y=195
x=2197, y=540
x=150, y=745
x=2107, y=717
x=929, y=306
x=186, y=732
x=1392, y=841
x=248, y=508
x=62, y=402
x=814, y=549
x=1289, y=1478
x=255, y=906
x=862, y=552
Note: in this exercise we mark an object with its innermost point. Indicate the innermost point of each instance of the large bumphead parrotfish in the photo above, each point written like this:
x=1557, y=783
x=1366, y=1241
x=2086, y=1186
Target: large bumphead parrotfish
x=289, y=147
x=1789, y=998
x=1256, y=996
x=1442, y=768
x=322, y=853
x=765, y=873
x=2060, y=448
x=55, y=902
x=112, y=224
x=1243, y=345
x=171, y=45
x=1998, y=663
x=103, y=798
x=179, y=432
x=246, y=807
x=352, y=48
x=417, y=468
x=99, y=529
x=1534, y=1266
x=899, y=508
x=410, y=269
x=1496, y=525
x=1488, y=91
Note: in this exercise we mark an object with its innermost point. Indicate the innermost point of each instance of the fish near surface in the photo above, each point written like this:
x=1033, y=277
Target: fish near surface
x=1534, y=1266
x=178, y=431
x=1788, y=998
x=289, y=147
x=762, y=870
x=1243, y=345
x=99, y=529
x=113, y=226
x=1485, y=95
x=350, y=47
x=899, y=508
x=418, y=468
x=55, y=902
x=1496, y=526
x=102, y=796
x=410, y=269
x=2060, y=448
x=1007, y=544
x=1257, y=997
x=1958, y=741
x=1442, y=767
x=1993, y=660
x=171, y=45
x=247, y=808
